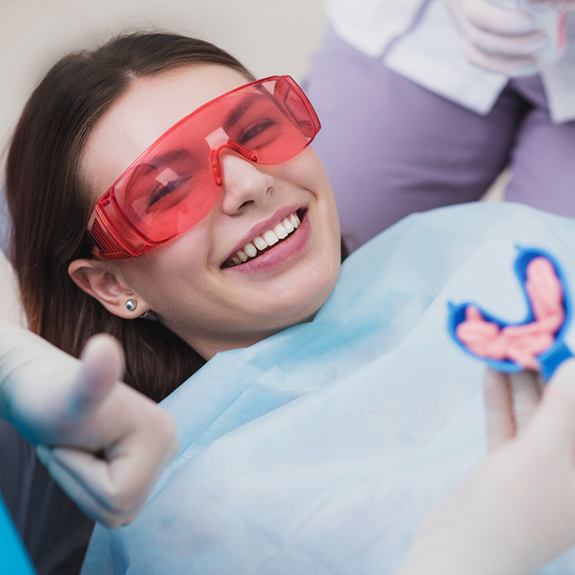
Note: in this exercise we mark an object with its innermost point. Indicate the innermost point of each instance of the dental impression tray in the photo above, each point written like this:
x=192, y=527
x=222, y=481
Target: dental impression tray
x=537, y=342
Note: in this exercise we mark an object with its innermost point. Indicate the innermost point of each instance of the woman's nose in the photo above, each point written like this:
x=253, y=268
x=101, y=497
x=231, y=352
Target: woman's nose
x=243, y=183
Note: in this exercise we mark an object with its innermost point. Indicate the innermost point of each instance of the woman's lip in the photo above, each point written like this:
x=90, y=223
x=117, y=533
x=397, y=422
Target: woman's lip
x=280, y=253
x=264, y=226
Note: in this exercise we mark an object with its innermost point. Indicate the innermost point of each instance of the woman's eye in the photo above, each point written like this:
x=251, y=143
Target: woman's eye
x=163, y=190
x=255, y=130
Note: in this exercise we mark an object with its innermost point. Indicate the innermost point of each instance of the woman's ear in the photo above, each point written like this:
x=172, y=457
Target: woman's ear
x=104, y=284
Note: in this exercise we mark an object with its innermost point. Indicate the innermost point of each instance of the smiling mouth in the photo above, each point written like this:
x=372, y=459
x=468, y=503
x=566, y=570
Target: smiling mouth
x=268, y=240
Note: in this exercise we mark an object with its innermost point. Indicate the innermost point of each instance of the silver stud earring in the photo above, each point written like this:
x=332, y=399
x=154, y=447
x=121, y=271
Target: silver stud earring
x=131, y=304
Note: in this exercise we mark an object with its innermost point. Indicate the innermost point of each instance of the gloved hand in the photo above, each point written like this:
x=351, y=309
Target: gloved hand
x=516, y=511
x=498, y=39
x=104, y=443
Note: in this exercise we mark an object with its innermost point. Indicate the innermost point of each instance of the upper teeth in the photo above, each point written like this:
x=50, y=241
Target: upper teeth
x=269, y=238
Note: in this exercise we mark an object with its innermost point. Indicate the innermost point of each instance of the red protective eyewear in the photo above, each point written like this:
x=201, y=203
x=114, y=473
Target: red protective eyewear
x=177, y=181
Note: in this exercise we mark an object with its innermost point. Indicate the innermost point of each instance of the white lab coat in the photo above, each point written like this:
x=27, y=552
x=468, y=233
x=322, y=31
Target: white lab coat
x=419, y=40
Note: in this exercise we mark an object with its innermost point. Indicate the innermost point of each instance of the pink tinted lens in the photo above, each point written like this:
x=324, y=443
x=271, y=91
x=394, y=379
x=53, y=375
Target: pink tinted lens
x=172, y=185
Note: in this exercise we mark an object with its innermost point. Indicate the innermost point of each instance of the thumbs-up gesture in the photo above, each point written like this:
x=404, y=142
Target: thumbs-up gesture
x=102, y=441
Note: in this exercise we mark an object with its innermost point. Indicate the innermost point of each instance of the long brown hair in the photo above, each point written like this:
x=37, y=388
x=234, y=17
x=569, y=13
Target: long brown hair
x=50, y=210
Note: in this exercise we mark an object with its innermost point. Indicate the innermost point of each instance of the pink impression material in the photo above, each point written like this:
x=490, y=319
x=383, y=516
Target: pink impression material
x=520, y=343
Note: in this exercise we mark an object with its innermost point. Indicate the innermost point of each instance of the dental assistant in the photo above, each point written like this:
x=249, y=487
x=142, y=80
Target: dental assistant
x=441, y=96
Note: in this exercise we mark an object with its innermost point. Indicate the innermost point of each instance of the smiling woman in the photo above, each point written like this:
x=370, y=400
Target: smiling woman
x=130, y=92
x=186, y=239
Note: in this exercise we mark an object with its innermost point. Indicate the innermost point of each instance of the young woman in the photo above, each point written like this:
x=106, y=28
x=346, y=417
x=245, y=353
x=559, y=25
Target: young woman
x=175, y=203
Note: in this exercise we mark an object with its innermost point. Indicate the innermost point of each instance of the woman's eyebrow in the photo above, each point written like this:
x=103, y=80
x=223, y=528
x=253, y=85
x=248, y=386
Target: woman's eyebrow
x=171, y=156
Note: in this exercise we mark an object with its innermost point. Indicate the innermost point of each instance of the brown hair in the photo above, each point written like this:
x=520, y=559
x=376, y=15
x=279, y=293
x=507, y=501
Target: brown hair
x=50, y=211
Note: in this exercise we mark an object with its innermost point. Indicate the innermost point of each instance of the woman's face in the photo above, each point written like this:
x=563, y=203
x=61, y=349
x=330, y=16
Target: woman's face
x=189, y=283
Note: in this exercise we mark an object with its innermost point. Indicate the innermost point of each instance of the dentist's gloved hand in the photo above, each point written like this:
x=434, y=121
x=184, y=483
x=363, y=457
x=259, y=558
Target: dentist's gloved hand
x=498, y=39
x=103, y=442
x=516, y=511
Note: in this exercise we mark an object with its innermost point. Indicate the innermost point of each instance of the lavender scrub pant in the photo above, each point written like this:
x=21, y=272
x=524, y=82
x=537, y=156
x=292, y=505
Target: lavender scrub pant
x=392, y=147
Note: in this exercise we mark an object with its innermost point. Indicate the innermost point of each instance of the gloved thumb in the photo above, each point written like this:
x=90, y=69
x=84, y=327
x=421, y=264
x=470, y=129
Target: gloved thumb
x=102, y=366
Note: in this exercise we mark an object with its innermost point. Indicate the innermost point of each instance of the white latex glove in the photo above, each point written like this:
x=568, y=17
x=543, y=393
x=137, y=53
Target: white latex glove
x=516, y=511
x=496, y=38
x=107, y=442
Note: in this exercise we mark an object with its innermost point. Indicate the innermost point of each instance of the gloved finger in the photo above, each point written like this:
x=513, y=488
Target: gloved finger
x=496, y=19
x=511, y=67
x=499, y=421
x=85, y=478
x=517, y=46
x=135, y=463
x=101, y=368
x=119, y=484
x=526, y=392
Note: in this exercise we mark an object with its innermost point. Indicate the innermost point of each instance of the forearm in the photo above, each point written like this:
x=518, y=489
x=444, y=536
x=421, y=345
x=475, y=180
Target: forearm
x=456, y=553
x=510, y=516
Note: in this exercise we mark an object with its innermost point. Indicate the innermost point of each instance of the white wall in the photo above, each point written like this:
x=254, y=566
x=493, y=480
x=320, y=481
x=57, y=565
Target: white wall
x=269, y=36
